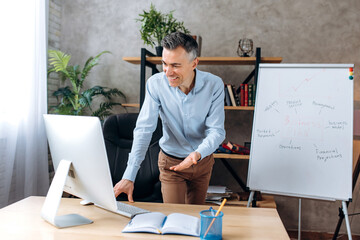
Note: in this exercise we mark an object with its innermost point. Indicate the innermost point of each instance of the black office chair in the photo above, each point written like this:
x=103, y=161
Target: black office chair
x=118, y=135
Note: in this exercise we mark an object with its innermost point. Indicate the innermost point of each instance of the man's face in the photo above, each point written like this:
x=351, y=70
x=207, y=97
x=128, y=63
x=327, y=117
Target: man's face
x=178, y=67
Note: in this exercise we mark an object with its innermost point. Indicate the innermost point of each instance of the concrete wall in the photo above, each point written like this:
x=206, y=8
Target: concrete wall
x=308, y=31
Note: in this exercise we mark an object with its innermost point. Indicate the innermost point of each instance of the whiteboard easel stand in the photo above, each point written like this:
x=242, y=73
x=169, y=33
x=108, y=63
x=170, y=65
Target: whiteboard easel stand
x=273, y=79
x=344, y=210
x=251, y=196
x=299, y=223
x=346, y=216
x=341, y=215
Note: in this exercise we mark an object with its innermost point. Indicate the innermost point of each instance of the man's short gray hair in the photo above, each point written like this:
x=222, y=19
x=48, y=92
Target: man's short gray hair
x=176, y=39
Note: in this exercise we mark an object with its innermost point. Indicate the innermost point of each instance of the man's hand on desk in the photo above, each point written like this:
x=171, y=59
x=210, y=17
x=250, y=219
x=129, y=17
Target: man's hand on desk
x=187, y=162
x=125, y=186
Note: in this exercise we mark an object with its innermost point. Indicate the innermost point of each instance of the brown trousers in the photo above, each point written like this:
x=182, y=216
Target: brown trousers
x=188, y=186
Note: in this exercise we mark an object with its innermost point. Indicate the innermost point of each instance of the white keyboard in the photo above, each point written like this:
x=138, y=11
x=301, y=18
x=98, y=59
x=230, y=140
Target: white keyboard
x=129, y=210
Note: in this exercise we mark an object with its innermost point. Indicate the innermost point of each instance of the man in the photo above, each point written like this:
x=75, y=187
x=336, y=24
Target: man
x=191, y=106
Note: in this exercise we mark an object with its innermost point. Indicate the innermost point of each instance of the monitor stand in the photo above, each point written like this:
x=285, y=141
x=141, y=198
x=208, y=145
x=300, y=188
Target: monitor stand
x=53, y=198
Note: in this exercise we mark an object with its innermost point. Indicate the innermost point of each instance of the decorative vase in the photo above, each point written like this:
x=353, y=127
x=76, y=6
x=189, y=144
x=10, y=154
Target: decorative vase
x=159, y=50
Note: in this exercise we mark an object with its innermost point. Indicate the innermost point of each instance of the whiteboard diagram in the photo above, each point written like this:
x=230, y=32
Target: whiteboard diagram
x=303, y=131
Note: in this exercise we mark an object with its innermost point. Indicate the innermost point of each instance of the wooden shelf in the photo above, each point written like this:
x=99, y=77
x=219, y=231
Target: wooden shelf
x=212, y=60
x=136, y=105
x=231, y=156
x=267, y=201
x=239, y=108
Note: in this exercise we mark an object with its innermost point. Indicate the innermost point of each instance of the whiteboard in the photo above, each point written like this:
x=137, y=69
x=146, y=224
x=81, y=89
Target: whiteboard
x=303, y=131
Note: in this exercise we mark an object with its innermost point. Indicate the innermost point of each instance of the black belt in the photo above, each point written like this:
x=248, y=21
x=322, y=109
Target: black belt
x=169, y=155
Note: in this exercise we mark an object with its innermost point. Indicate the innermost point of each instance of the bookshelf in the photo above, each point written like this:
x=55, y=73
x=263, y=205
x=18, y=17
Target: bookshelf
x=230, y=156
x=148, y=59
x=248, y=108
x=211, y=60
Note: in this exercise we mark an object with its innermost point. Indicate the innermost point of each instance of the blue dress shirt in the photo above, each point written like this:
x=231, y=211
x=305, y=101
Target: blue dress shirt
x=192, y=122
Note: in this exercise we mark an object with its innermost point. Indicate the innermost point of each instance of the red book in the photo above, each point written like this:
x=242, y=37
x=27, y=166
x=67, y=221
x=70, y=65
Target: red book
x=242, y=94
x=246, y=102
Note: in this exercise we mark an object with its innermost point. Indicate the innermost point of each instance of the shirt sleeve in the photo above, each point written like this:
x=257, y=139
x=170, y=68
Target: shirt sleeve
x=145, y=126
x=214, y=123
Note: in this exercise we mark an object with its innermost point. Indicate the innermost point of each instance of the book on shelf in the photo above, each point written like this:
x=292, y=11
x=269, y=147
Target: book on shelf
x=236, y=148
x=227, y=96
x=250, y=93
x=232, y=98
x=246, y=94
x=217, y=193
x=237, y=100
x=232, y=148
x=253, y=94
x=159, y=223
x=242, y=94
x=221, y=149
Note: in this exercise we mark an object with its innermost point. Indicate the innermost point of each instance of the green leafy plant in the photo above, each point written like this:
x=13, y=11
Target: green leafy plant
x=73, y=100
x=156, y=25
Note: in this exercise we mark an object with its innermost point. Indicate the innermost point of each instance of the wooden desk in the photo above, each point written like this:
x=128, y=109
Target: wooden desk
x=22, y=220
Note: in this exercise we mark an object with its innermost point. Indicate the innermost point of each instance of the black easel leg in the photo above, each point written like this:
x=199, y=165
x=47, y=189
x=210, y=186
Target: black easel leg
x=341, y=214
x=338, y=226
x=235, y=176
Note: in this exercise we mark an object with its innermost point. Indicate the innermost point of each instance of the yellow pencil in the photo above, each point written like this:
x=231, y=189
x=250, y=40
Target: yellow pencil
x=217, y=213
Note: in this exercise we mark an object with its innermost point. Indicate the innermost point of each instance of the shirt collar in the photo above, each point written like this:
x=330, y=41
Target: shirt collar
x=199, y=81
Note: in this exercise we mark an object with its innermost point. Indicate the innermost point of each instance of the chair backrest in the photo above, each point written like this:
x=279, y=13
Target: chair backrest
x=118, y=133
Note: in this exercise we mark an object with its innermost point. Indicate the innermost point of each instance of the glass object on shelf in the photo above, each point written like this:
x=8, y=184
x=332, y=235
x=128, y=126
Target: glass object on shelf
x=245, y=48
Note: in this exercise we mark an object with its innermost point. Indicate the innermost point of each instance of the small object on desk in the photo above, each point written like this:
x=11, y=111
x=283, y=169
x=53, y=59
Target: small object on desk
x=159, y=223
x=211, y=226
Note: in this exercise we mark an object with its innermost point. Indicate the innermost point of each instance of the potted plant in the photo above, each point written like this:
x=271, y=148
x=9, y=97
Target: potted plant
x=156, y=25
x=75, y=100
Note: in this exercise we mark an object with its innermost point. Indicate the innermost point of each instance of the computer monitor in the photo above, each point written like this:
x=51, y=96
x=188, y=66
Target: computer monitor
x=82, y=169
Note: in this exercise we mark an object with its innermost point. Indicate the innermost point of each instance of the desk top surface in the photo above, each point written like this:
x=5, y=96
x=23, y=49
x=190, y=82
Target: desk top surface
x=22, y=220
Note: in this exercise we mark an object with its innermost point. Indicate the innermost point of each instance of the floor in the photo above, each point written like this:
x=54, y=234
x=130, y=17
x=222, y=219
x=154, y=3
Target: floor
x=319, y=236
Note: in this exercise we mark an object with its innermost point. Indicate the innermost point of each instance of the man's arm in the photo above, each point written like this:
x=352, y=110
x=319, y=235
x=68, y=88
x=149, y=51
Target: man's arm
x=215, y=132
x=145, y=126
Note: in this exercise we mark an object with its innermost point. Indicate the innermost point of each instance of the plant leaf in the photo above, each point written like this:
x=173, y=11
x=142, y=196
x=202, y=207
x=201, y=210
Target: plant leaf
x=71, y=101
x=102, y=111
x=59, y=60
x=90, y=63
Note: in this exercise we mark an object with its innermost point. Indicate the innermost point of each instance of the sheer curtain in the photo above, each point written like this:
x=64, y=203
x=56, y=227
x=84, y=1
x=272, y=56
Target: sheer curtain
x=23, y=100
